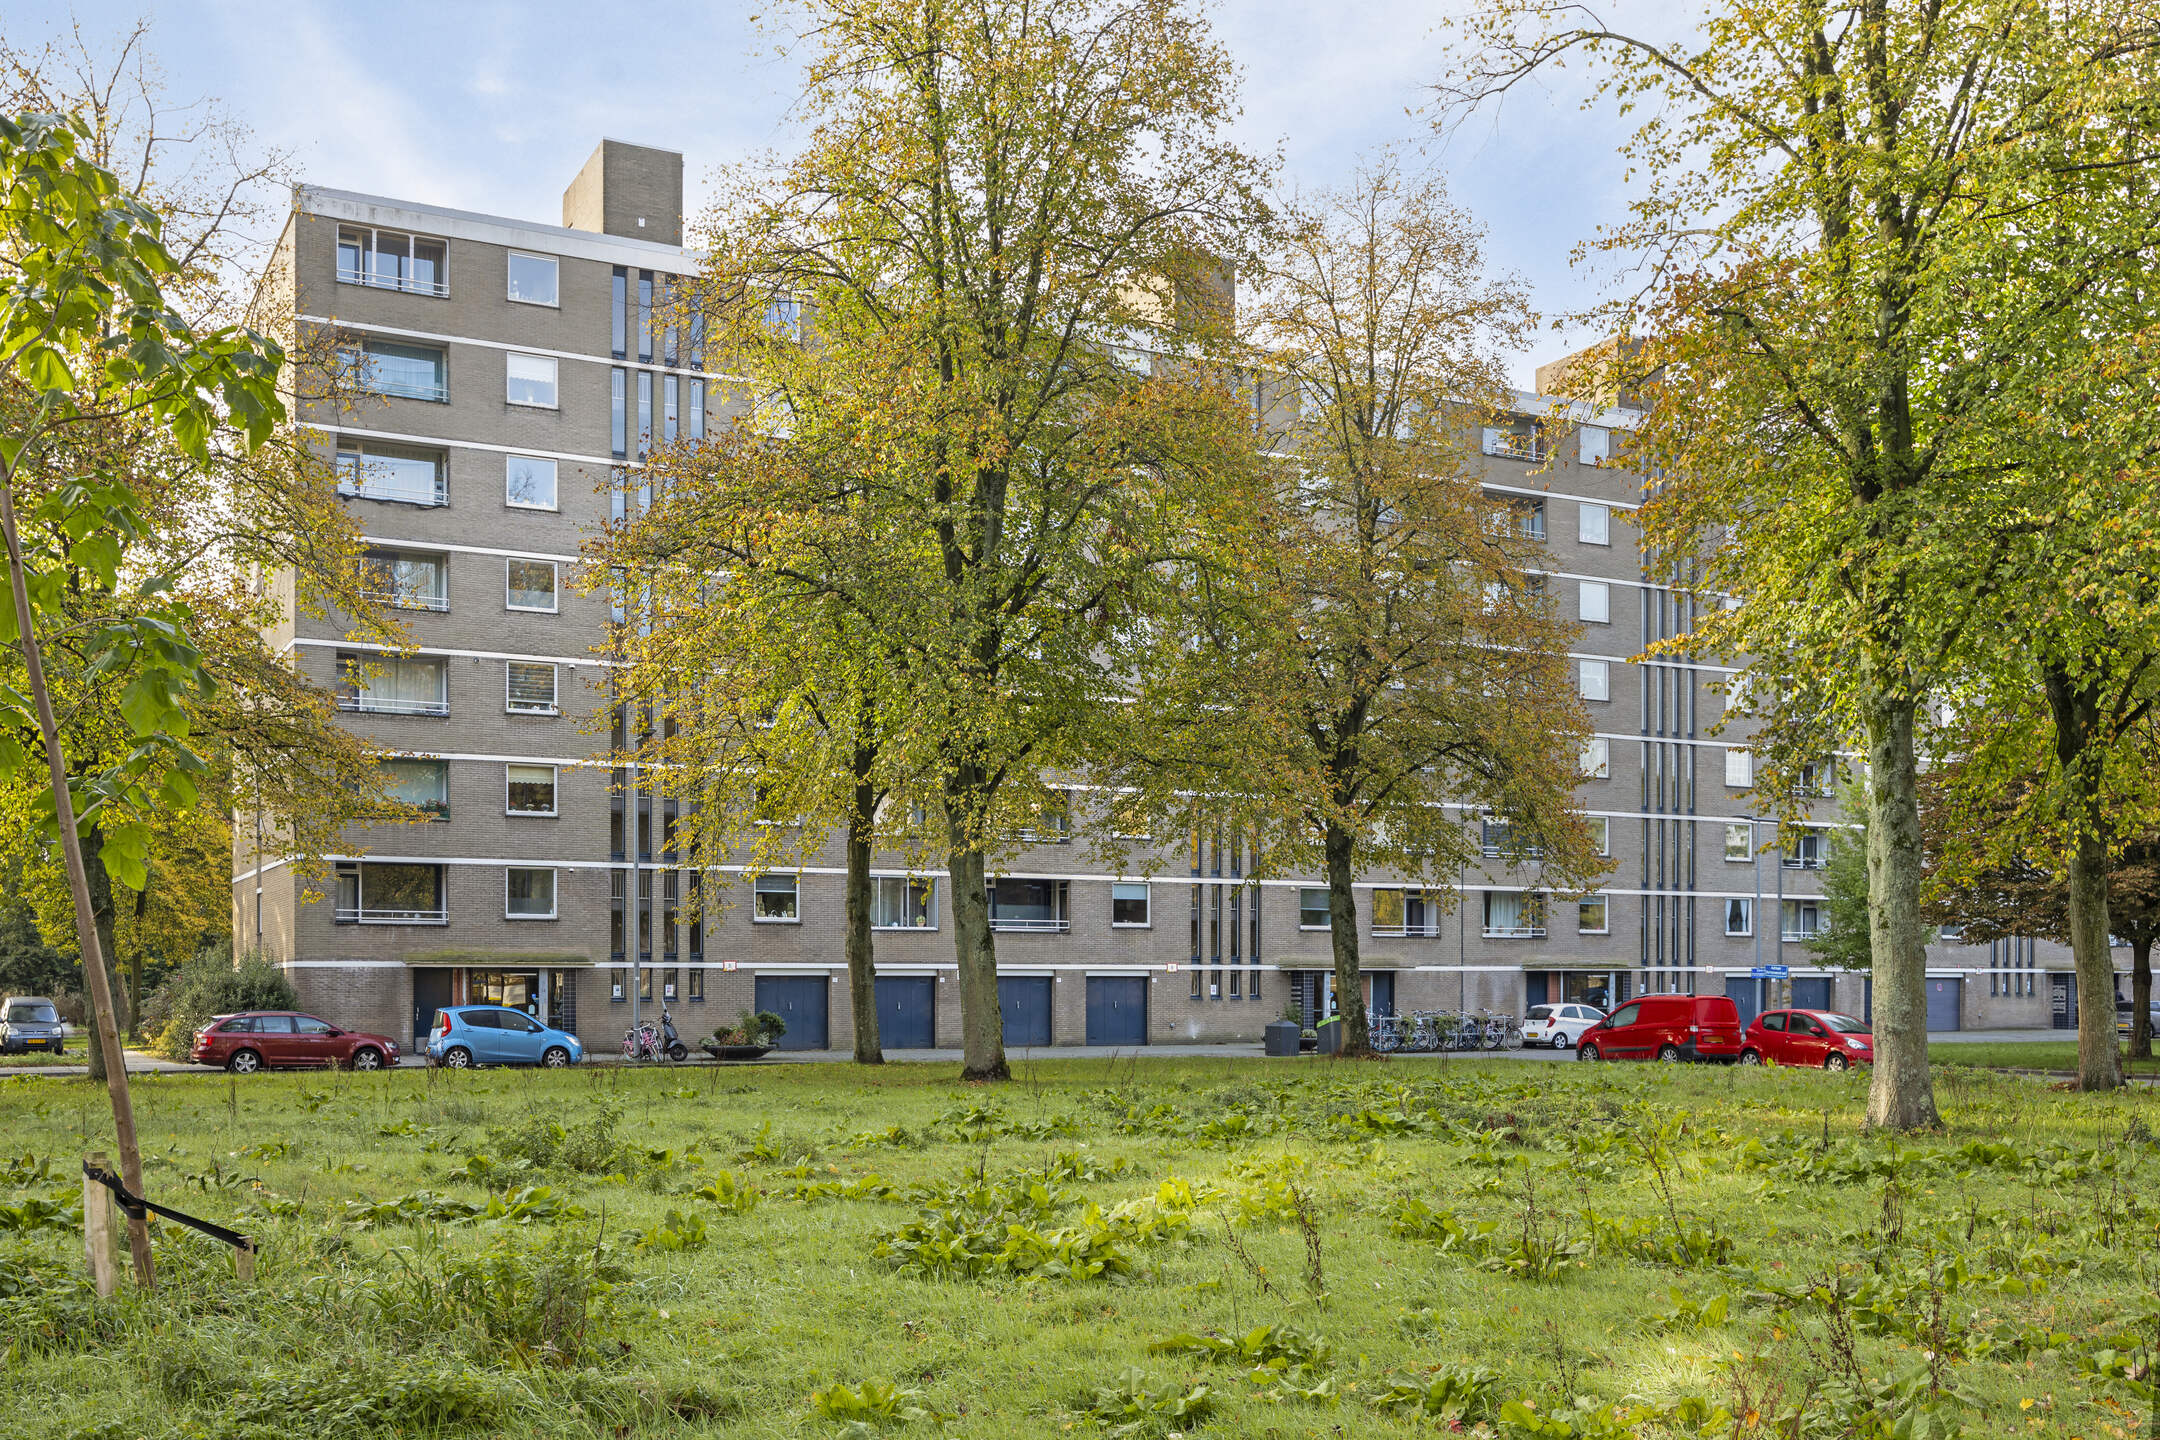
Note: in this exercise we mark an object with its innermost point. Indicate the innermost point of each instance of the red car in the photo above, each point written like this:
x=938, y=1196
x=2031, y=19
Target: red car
x=1821, y=1038
x=1666, y=1027
x=280, y=1039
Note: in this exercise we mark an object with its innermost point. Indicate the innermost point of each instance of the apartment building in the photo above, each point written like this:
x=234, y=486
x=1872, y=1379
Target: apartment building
x=516, y=367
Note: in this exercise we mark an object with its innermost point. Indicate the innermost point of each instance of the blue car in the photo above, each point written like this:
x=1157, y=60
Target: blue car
x=468, y=1035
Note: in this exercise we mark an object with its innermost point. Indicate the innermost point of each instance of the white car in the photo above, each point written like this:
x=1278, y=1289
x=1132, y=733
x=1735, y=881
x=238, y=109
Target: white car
x=1559, y=1026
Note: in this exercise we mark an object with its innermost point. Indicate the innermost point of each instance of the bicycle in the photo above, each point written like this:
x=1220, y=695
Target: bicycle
x=1385, y=1032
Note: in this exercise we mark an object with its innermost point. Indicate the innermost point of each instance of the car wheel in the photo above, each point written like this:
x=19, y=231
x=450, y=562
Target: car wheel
x=1750, y=1057
x=457, y=1057
x=1586, y=1052
x=244, y=1062
x=367, y=1057
x=1835, y=1062
x=1670, y=1054
x=555, y=1058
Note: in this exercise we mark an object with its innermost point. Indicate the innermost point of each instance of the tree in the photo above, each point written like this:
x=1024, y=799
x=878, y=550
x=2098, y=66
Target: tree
x=1002, y=208
x=1845, y=942
x=86, y=336
x=1368, y=670
x=1827, y=190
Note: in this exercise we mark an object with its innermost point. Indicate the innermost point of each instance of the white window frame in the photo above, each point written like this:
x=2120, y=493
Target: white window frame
x=1595, y=762
x=1147, y=904
x=1593, y=445
x=554, y=892
x=554, y=380
x=554, y=482
x=553, y=707
x=1593, y=523
x=1303, y=891
x=1593, y=679
x=1746, y=835
x=554, y=789
x=793, y=892
x=1593, y=602
x=1604, y=904
x=1601, y=827
x=929, y=884
x=1745, y=909
x=554, y=590
x=510, y=285
x=1739, y=768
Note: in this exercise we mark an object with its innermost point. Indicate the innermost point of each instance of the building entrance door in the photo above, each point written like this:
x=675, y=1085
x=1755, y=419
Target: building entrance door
x=430, y=992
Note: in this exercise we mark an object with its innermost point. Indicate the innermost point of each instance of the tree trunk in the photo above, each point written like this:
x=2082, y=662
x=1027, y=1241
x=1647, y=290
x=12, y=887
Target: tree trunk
x=101, y=911
x=1901, y=1094
x=982, y=1022
x=2141, y=1036
x=1343, y=938
x=2079, y=754
x=861, y=968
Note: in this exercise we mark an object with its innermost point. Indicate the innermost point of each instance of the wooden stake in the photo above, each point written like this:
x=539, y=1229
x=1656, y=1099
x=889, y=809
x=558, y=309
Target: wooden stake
x=98, y=1229
x=243, y=1259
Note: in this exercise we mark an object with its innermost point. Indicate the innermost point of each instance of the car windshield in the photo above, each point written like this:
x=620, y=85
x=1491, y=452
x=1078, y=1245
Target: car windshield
x=41, y=1013
x=1541, y=1012
x=1844, y=1024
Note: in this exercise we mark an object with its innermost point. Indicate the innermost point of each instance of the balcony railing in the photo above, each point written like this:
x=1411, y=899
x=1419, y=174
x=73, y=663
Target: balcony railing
x=367, y=704
x=407, y=283
x=1014, y=922
x=1513, y=447
x=1799, y=935
x=1424, y=930
x=400, y=915
x=406, y=599
x=1514, y=932
x=1803, y=862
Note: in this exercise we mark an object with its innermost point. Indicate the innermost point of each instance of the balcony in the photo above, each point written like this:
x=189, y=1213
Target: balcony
x=1511, y=445
x=407, y=599
x=356, y=915
x=1030, y=924
x=1514, y=932
x=360, y=702
x=1425, y=931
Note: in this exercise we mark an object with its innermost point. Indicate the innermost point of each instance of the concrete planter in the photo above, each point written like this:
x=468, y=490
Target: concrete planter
x=1281, y=1037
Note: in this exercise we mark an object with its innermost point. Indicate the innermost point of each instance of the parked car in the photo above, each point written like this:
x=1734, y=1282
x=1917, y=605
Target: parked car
x=1666, y=1027
x=468, y=1035
x=1559, y=1026
x=30, y=1022
x=1821, y=1038
x=2122, y=1018
x=286, y=1039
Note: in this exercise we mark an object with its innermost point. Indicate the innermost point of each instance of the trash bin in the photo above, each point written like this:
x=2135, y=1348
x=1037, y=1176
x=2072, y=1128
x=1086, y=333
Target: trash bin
x=1331, y=1032
x=1281, y=1037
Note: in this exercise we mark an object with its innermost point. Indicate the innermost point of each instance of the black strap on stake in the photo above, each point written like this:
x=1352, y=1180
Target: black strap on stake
x=135, y=1206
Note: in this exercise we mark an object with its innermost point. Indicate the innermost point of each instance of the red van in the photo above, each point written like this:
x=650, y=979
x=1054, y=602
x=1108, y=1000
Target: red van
x=1666, y=1027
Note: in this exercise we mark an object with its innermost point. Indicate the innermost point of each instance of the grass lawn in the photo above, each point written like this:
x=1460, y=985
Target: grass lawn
x=75, y=1054
x=1552, y=1251
x=2025, y=1054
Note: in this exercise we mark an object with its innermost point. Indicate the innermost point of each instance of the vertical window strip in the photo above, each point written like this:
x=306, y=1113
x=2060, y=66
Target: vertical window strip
x=618, y=313
x=644, y=314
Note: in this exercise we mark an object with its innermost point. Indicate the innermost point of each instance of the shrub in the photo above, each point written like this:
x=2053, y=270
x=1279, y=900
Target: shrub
x=212, y=983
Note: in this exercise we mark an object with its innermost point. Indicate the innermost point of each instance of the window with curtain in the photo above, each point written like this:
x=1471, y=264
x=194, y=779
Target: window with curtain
x=530, y=687
x=903, y=902
x=394, y=684
x=529, y=789
x=409, y=476
x=406, y=580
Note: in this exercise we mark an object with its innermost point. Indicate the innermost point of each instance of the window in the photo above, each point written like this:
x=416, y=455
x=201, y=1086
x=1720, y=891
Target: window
x=393, y=684
x=1593, y=445
x=1593, y=524
x=529, y=688
x=1805, y=851
x=530, y=585
x=1600, y=834
x=529, y=483
x=1129, y=903
x=696, y=978
x=529, y=789
x=1512, y=443
x=1739, y=769
x=618, y=316
x=1017, y=904
x=776, y=900
x=1529, y=518
x=644, y=315
x=404, y=372
x=407, y=581
x=391, y=260
x=391, y=472
x=1596, y=760
x=1047, y=819
x=618, y=417
x=903, y=902
x=531, y=380
x=533, y=279
x=1739, y=839
x=1593, y=603
x=376, y=894
x=1590, y=915
x=1739, y=916
x=529, y=894
x=1313, y=912
x=697, y=408
x=1802, y=919
x=670, y=404
x=422, y=784
x=1514, y=915
x=1405, y=912
x=644, y=412
x=1595, y=680
x=1819, y=778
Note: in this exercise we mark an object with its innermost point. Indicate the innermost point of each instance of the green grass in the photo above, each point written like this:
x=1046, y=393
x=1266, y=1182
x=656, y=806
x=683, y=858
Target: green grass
x=73, y=1055
x=2025, y=1054
x=639, y=1253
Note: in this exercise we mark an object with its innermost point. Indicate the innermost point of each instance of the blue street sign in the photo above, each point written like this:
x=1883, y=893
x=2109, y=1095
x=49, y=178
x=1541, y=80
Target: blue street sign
x=1771, y=972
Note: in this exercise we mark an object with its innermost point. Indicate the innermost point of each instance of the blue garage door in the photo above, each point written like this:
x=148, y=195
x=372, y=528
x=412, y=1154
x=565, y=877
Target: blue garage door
x=1746, y=995
x=1117, y=1010
x=1025, y=1003
x=1812, y=993
x=800, y=1001
x=1943, y=1008
x=906, y=1012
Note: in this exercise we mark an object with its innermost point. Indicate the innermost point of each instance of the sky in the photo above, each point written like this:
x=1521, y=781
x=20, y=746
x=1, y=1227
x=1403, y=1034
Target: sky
x=492, y=107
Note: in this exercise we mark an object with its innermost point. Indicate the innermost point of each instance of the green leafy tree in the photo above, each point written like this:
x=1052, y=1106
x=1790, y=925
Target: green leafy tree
x=1828, y=189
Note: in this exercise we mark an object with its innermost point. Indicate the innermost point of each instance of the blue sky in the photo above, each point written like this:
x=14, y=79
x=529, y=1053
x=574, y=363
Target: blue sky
x=491, y=106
